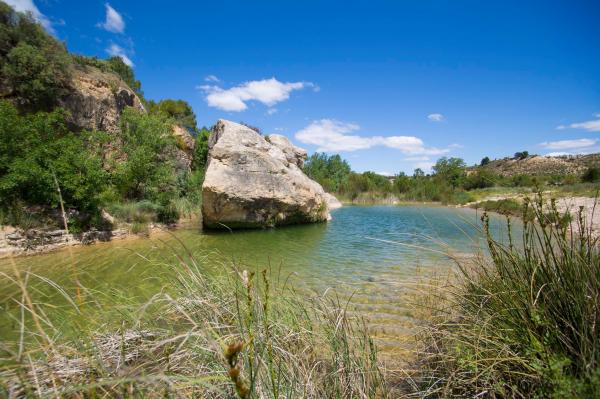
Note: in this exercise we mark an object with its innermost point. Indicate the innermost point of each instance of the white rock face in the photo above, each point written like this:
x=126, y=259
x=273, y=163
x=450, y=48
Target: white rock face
x=332, y=202
x=252, y=181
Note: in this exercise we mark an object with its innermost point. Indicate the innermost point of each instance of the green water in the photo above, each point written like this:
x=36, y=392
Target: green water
x=370, y=255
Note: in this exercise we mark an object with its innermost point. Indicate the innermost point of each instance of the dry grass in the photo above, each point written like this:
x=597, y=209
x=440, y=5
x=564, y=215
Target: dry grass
x=211, y=337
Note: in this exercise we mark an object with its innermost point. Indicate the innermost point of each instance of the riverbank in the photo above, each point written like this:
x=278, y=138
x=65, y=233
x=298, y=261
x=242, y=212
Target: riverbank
x=18, y=242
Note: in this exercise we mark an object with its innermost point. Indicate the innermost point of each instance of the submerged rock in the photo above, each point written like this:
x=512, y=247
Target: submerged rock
x=255, y=181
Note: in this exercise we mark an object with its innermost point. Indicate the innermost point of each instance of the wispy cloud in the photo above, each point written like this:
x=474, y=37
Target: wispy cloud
x=330, y=135
x=28, y=6
x=591, y=126
x=272, y=111
x=211, y=78
x=562, y=145
x=117, y=51
x=267, y=91
x=436, y=117
x=114, y=21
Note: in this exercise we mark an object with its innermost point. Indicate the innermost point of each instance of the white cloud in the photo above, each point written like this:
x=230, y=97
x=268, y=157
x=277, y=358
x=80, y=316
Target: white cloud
x=330, y=135
x=591, y=126
x=557, y=154
x=436, y=117
x=272, y=111
x=267, y=91
x=211, y=78
x=117, y=51
x=385, y=173
x=114, y=21
x=28, y=6
x=568, y=144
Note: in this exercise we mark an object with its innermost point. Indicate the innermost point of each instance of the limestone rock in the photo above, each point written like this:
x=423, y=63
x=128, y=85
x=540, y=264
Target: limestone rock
x=97, y=99
x=185, y=147
x=254, y=182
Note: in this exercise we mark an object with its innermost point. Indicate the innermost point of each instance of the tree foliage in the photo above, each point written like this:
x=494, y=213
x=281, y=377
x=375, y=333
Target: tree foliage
x=178, y=110
x=35, y=68
x=201, y=150
x=331, y=171
x=451, y=170
x=147, y=146
x=37, y=152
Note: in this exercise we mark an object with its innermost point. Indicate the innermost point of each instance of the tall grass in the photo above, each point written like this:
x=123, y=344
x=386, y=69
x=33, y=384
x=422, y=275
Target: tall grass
x=242, y=335
x=522, y=322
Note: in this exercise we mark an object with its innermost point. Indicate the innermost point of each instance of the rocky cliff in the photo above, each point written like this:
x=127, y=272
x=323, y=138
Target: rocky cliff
x=255, y=181
x=96, y=99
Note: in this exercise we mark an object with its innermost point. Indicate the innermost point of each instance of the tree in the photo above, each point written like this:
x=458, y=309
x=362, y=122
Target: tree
x=148, y=171
x=402, y=183
x=201, y=149
x=450, y=170
x=35, y=68
x=521, y=155
x=331, y=172
x=34, y=149
x=484, y=161
x=178, y=110
x=418, y=173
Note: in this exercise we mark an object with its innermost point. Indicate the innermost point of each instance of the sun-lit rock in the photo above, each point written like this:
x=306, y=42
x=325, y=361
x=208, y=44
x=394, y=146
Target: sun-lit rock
x=255, y=181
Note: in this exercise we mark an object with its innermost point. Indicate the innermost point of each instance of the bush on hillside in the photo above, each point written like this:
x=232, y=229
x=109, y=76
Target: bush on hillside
x=38, y=155
x=35, y=67
x=591, y=175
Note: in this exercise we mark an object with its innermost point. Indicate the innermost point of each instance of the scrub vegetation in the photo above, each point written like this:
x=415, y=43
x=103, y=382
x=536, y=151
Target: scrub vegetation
x=451, y=181
x=521, y=322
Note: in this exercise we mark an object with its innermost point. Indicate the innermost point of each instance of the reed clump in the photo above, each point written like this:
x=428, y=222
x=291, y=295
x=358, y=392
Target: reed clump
x=238, y=334
x=522, y=322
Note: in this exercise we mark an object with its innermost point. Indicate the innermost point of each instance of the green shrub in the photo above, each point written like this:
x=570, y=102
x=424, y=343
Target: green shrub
x=35, y=67
x=38, y=154
x=504, y=207
x=591, y=175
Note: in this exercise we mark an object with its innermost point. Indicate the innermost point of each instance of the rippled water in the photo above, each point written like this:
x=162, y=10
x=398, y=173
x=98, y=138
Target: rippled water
x=369, y=255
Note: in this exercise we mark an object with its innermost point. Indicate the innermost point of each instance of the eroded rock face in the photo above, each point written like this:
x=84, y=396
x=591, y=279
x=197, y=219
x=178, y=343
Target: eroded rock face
x=97, y=99
x=185, y=147
x=252, y=181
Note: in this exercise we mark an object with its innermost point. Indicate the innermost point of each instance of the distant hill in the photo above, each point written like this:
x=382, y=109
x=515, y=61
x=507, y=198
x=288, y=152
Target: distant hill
x=540, y=165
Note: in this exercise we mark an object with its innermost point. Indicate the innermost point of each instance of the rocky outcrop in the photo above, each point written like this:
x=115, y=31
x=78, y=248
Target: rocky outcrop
x=16, y=241
x=97, y=99
x=255, y=181
x=185, y=147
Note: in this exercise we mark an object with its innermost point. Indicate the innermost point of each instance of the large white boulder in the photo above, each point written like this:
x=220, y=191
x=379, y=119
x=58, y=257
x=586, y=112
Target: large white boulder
x=255, y=181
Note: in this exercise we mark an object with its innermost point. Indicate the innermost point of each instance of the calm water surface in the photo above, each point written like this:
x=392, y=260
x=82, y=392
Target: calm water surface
x=370, y=255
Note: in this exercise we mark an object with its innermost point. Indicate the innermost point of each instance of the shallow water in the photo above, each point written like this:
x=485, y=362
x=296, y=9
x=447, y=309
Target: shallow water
x=370, y=255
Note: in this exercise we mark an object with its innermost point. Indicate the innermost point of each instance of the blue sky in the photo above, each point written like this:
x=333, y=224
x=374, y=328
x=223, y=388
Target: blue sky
x=390, y=85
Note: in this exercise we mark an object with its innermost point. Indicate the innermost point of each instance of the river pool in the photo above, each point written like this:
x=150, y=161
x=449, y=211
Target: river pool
x=370, y=255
